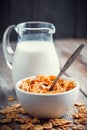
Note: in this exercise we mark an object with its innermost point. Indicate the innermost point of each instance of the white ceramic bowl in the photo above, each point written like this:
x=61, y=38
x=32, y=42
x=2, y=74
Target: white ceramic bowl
x=47, y=105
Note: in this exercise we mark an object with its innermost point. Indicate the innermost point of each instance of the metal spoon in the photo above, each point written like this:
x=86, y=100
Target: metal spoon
x=67, y=64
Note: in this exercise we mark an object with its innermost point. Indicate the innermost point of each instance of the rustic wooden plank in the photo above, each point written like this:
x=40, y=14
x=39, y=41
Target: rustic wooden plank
x=69, y=16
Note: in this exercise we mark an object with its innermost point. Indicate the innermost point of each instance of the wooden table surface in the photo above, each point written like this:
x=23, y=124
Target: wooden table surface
x=64, y=49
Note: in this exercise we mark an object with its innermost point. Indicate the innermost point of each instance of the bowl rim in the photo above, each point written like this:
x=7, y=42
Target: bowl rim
x=40, y=94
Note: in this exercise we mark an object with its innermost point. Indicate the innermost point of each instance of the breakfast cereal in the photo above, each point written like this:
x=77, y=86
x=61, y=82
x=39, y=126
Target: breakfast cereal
x=42, y=84
x=6, y=127
x=11, y=98
x=15, y=116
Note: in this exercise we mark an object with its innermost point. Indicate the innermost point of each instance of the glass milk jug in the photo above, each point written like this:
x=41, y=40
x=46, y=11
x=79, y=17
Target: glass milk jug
x=35, y=53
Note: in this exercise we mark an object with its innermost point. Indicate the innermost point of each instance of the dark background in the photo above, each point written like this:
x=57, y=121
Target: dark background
x=68, y=16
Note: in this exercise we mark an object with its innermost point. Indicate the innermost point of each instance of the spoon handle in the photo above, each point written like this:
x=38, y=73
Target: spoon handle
x=68, y=64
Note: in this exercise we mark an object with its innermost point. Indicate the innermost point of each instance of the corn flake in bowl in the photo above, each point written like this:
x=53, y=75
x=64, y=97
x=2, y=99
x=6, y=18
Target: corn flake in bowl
x=42, y=84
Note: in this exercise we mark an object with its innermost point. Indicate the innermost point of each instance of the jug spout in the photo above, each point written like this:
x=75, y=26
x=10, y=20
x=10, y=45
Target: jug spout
x=35, y=31
x=34, y=25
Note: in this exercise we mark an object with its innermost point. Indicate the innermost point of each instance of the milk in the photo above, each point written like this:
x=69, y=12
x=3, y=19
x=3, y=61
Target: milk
x=34, y=58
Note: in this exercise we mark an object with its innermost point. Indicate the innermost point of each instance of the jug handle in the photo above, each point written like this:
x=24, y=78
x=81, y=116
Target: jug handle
x=7, y=49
